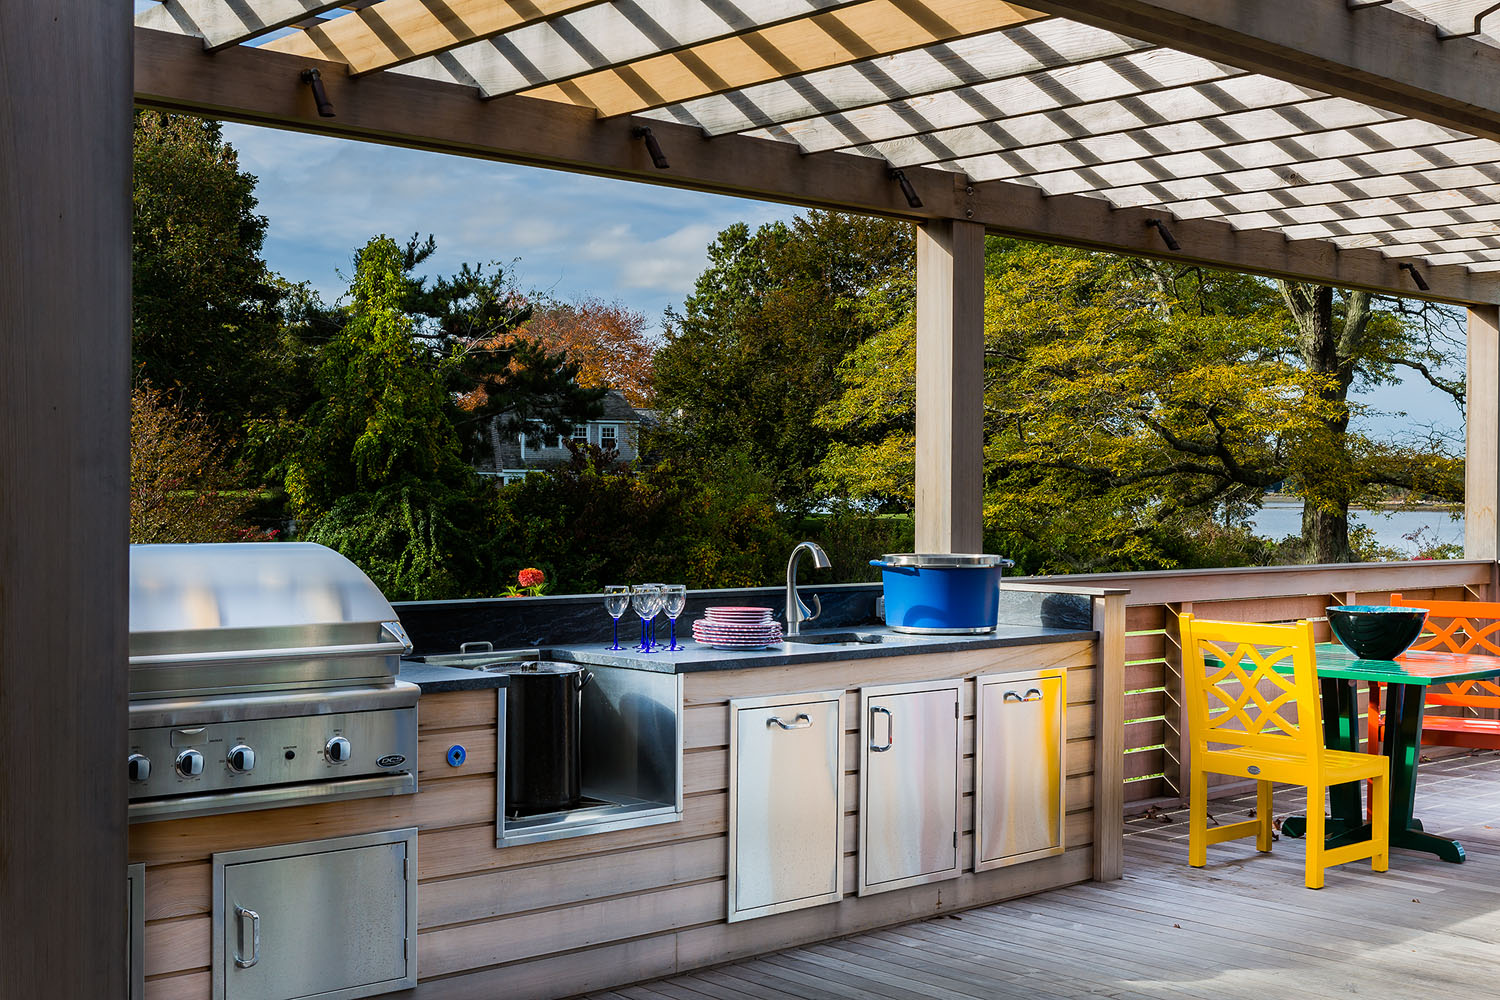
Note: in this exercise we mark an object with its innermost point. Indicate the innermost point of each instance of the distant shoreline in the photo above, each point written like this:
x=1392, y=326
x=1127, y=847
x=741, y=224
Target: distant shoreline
x=1285, y=500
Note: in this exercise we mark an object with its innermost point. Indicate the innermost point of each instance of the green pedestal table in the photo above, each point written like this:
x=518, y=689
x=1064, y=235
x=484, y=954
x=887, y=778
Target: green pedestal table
x=1408, y=677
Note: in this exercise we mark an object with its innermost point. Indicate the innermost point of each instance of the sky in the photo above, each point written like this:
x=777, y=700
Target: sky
x=569, y=235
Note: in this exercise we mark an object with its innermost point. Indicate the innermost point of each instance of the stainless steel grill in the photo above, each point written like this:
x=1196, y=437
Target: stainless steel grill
x=262, y=675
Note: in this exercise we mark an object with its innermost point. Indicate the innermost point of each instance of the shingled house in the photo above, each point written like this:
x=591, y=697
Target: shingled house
x=615, y=430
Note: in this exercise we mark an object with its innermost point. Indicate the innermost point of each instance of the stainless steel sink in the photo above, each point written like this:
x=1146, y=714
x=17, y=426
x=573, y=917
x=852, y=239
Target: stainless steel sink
x=834, y=638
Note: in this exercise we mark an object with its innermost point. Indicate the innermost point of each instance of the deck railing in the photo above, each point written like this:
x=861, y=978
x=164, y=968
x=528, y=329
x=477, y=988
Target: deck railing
x=1156, y=743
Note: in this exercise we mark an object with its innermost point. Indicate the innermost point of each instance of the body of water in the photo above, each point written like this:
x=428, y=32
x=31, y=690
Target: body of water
x=1278, y=519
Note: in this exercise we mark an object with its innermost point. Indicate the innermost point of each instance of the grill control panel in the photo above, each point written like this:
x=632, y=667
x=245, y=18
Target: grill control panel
x=254, y=753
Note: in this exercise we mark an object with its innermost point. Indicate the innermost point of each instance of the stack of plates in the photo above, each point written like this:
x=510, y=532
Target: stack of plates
x=737, y=628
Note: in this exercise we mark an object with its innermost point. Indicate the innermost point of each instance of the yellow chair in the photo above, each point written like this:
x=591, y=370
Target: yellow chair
x=1237, y=729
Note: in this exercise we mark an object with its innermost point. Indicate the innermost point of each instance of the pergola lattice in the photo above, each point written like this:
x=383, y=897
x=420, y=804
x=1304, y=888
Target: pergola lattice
x=1081, y=100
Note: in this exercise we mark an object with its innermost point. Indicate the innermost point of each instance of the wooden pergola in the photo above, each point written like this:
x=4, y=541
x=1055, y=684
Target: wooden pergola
x=1349, y=142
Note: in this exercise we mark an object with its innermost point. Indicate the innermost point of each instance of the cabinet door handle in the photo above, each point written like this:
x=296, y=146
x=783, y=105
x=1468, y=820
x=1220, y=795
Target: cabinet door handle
x=802, y=721
x=1035, y=694
x=890, y=729
x=240, y=913
x=1011, y=696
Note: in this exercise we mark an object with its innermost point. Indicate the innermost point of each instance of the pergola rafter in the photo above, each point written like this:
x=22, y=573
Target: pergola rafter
x=397, y=31
x=602, y=37
x=1188, y=108
x=246, y=84
x=221, y=23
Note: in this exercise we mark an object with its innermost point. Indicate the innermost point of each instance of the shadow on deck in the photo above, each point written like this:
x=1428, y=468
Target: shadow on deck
x=1243, y=927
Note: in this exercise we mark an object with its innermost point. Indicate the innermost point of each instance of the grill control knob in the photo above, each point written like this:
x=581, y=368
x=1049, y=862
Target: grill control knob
x=338, y=750
x=190, y=763
x=140, y=767
x=241, y=759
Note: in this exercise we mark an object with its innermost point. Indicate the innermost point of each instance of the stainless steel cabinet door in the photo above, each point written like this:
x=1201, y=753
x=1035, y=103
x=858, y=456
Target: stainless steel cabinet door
x=908, y=785
x=330, y=919
x=1018, y=767
x=786, y=803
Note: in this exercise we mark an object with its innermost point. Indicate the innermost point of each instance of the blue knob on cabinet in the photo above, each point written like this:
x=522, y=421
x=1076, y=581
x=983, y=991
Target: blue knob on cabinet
x=457, y=755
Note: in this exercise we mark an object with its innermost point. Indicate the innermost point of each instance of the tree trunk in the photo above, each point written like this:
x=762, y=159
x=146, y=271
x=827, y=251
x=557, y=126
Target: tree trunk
x=1328, y=348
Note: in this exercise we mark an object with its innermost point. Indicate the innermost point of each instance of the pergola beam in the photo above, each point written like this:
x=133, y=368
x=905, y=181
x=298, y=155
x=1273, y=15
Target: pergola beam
x=250, y=85
x=1373, y=54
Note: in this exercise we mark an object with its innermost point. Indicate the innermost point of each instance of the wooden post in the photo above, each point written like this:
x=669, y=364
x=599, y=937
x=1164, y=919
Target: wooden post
x=65, y=122
x=1109, y=740
x=950, y=386
x=1482, y=422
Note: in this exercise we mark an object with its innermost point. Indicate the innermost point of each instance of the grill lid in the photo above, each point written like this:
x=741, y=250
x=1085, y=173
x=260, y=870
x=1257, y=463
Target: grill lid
x=253, y=616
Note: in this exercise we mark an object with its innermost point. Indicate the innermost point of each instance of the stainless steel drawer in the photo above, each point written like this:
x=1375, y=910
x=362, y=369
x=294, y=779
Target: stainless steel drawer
x=786, y=803
x=909, y=786
x=332, y=919
x=1020, y=736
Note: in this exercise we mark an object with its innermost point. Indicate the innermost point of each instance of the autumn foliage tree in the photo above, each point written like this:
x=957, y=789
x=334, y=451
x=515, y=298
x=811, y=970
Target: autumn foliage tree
x=606, y=340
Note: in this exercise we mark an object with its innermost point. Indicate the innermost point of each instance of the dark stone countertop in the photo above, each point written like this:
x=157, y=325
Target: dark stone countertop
x=697, y=658
x=432, y=678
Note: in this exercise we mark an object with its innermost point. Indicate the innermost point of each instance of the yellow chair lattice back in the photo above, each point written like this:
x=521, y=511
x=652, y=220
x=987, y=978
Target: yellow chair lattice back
x=1254, y=712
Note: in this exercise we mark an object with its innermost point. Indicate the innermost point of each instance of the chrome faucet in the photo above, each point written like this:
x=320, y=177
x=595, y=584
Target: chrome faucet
x=796, y=611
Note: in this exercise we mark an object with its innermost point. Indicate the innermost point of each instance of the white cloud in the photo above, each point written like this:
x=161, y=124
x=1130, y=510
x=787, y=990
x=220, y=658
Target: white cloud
x=574, y=235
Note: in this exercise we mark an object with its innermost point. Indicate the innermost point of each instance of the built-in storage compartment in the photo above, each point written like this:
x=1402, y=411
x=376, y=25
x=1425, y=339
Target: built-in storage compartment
x=786, y=803
x=1020, y=739
x=909, y=784
x=630, y=748
x=333, y=919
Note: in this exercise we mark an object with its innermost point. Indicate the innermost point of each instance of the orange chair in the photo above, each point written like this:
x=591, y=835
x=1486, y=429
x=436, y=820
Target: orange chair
x=1237, y=728
x=1458, y=627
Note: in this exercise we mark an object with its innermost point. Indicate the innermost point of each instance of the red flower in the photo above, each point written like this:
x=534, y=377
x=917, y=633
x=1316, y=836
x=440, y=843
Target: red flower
x=531, y=577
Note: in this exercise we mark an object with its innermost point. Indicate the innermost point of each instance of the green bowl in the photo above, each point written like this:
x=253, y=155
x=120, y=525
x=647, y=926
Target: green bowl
x=1376, y=632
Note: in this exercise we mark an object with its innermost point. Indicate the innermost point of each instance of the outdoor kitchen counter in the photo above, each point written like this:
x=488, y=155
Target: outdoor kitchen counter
x=697, y=658
x=554, y=918
x=435, y=679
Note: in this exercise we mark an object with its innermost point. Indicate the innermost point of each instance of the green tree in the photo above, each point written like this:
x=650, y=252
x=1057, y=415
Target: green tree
x=179, y=491
x=205, y=317
x=1348, y=339
x=382, y=415
x=752, y=355
x=378, y=465
x=1131, y=409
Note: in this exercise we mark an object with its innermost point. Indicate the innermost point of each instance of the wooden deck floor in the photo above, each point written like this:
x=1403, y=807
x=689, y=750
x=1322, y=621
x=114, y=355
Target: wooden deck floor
x=1244, y=927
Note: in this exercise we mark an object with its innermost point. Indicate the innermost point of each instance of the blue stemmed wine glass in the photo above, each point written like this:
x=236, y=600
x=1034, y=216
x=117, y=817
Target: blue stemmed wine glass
x=674, y=599
x=616, y=602
x=646, y=599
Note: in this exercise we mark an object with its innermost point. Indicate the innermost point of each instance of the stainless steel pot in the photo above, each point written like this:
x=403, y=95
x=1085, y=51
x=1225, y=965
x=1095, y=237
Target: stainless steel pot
x=543, y=764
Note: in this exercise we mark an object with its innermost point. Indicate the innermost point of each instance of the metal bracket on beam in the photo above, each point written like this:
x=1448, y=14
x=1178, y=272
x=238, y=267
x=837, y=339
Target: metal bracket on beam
x=1448, y=36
